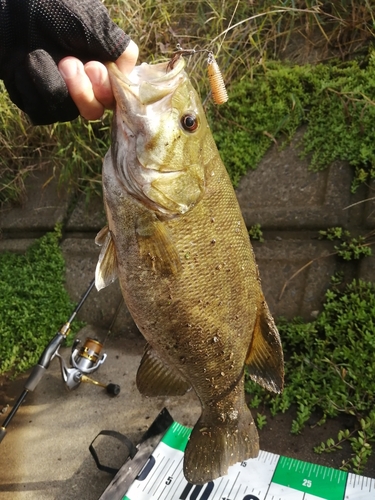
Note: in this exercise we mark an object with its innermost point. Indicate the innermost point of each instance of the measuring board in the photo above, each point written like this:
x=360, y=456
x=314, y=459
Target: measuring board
x=267, y=477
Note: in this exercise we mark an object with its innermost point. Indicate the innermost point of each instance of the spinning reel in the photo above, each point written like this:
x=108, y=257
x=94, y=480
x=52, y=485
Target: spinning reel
x=85, y=359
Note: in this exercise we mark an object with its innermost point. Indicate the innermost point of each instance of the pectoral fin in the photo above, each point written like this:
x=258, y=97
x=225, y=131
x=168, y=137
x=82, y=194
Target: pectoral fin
x=155, y=378
x=106, y=268
x=265, y=356
x=156, y=246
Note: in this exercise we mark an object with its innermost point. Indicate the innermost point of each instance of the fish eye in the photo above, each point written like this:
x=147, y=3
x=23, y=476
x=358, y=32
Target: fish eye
x=189, y=122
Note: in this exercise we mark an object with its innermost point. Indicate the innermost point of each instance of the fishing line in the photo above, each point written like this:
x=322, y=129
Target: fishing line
x=229, y=27
x=215, y=76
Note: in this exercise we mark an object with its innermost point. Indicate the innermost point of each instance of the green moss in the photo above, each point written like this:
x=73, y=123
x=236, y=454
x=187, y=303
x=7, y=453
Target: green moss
x=336, y=102
x=259, y=110
x=33, y=301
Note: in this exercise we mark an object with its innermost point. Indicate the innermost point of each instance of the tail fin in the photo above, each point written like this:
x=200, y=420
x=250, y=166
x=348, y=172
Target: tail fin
x=214, y=446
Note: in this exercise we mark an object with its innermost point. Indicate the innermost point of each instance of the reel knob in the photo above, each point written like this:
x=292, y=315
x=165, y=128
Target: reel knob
x=113, y=389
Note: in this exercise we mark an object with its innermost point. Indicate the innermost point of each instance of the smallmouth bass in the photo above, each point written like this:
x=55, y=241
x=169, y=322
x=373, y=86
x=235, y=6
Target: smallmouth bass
x=178, y=243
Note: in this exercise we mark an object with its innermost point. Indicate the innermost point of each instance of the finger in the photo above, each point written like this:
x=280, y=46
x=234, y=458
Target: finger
x=80, y=88
x=101, y=85
x=128, y=58
x=99, y=78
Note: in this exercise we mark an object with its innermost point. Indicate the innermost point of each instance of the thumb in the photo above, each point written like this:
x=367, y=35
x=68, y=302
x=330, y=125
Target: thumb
x=128, y=58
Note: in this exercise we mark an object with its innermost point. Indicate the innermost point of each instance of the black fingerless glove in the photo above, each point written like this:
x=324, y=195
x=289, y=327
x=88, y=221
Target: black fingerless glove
x=36, y=34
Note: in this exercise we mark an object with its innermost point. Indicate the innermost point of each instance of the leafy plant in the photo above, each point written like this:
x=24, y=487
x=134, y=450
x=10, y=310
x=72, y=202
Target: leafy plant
x=34, y=302
x=360, y=442
x=349, y=247
x=260, y=109
x=342, y=112
x=330, y=368
x=256, y=233
x=261, y=421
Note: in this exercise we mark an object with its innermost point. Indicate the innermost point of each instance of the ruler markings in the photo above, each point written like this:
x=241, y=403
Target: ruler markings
x=157, y=480
x=179, y=463
x=180, y=479
x=164, y=473
x=176, y=475
x=167, y=481
x=146, y=465
x=154, y=472
x=219, y=482
x=331, y=475
x=267, y=477
x=238, y=492
x=233, y=485
x=317, y=470
x=225, y=485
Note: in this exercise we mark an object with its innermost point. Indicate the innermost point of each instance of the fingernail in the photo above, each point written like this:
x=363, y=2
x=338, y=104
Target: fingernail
x=96, y=76
x=69, y=69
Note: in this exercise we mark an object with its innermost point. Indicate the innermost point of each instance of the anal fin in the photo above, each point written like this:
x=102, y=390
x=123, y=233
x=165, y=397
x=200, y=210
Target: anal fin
x=265, y=359
x=155, y=378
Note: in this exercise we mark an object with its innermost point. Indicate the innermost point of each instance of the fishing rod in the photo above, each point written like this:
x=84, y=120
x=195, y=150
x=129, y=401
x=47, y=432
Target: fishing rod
x=85, y=358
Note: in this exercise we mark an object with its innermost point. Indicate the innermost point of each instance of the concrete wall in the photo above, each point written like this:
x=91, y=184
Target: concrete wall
x=291, y=204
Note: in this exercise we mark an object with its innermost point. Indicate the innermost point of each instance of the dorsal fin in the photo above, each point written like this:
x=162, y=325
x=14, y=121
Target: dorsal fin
x=265, y=356
x=156, y=246
x=106, y=268
x=155, y=378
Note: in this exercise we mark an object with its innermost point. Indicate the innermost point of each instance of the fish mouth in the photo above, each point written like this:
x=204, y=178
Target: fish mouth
x=148, y=84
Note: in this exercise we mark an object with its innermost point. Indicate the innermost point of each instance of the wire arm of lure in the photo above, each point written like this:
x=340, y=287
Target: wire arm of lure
x=184, y=52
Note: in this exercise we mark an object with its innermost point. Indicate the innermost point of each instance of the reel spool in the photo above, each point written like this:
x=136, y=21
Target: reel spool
x=87, y=357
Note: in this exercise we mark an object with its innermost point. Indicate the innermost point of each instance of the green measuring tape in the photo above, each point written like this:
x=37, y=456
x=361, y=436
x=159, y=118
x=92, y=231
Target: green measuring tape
x=267, y=477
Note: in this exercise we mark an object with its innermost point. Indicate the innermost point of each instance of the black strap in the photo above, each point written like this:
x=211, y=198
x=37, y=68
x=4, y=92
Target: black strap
x=120, y=437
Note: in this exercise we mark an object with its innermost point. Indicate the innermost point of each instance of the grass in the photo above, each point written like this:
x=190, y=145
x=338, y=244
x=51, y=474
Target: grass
x=74, y=151
x=243, y=35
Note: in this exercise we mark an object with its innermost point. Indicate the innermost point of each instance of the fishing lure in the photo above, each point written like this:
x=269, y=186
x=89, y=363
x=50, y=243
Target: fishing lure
x=215, y=77
x=219, y=92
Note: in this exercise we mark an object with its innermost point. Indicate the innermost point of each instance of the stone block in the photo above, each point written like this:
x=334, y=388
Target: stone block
x=87, y=215
x=282, y=193
x=295, y=275
x=370, y=206
x=367, y=269
x=44, y=206
x=105, y=308
x=15, y=245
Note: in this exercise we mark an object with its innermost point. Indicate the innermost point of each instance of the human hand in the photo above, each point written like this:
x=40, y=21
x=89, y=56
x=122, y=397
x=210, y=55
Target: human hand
x=36, y=35
x=88, y=84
